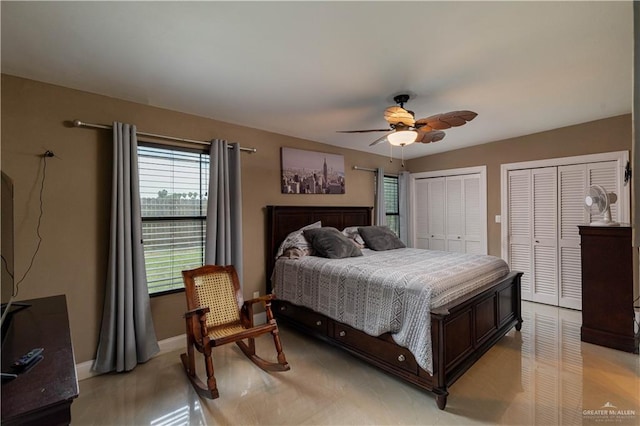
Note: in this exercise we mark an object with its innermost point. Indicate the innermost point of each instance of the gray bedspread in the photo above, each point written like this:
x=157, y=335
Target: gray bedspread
x=386, y=291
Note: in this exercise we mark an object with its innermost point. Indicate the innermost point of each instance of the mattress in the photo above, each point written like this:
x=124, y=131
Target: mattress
x=389, y=291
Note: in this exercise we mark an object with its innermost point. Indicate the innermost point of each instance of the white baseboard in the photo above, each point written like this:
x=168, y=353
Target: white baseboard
x=84, y=371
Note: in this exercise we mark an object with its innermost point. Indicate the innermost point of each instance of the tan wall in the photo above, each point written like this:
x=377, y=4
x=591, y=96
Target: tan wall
x=612, y=134
x=72, y=258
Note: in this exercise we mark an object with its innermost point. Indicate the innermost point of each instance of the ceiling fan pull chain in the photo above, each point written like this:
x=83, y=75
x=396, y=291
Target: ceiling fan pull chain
x=402, y=156
x=390, y=153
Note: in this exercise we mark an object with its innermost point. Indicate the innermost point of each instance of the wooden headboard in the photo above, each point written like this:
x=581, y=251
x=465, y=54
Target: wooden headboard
x=282, y=220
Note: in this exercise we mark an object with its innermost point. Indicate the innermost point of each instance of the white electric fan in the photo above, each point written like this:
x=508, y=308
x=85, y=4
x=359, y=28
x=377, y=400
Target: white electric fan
x=598, y=201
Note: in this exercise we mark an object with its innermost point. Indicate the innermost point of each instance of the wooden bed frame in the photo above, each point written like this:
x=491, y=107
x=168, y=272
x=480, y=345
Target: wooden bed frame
x=461, y=331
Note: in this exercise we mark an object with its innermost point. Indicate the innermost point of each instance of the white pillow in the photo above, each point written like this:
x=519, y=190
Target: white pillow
x=352, y=233
x=297, y=240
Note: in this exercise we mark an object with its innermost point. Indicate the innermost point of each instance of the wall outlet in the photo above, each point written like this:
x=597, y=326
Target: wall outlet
x=256, y=294
x=636, y=323
x=498, y=218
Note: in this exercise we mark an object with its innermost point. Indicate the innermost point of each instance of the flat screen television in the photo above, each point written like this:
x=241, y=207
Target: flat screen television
x=9, y=306
x=7, y=235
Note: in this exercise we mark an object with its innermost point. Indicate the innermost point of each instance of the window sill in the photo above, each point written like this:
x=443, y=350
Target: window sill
x=166, y=292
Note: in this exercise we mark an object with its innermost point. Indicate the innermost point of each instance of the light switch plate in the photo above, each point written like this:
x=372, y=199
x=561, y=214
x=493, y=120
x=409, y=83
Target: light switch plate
x=498, y=218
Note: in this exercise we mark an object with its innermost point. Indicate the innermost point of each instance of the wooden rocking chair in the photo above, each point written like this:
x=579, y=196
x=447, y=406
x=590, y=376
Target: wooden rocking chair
x=214, y=318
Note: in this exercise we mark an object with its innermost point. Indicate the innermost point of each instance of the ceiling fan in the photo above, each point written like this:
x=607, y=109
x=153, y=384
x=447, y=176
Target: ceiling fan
x=405, y=129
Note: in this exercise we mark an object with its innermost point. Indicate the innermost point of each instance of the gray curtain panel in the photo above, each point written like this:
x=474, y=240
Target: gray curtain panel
x=380, y=214
x=403, y=206
x=224, y=207
x=127, y=335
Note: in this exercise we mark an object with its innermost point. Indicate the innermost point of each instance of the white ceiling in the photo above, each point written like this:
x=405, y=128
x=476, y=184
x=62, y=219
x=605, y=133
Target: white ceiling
x=308, y=69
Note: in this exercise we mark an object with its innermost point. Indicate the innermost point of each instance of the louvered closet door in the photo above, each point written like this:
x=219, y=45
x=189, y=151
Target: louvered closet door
x=605, y=174
x=455, y=218
x=572, y=181
x=436, y=213
x=519, y=227
x=547, y=205
x=473, y=242
x=421, y=223
x=545, y=252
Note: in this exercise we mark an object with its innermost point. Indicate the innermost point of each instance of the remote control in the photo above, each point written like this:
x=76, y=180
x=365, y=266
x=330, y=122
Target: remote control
x=9, y=376
x=28, y=358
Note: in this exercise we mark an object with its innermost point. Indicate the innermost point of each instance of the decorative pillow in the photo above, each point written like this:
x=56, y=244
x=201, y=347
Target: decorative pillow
x=351, y=232
x=380, y=238
x=330, y=243
x=296, y=240
x=296, y=253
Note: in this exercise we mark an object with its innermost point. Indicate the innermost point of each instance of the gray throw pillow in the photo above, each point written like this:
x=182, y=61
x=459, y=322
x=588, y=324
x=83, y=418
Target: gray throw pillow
x=380, y=238
x=330, y=243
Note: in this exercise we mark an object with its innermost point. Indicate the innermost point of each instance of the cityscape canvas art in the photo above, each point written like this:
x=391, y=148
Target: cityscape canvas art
x=310, y=172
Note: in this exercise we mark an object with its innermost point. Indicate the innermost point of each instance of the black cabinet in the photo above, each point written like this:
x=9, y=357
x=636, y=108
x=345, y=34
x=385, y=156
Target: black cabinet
x=607, y=287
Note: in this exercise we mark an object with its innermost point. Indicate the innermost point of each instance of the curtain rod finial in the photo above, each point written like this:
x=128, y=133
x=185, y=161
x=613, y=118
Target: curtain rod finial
x=77, y=123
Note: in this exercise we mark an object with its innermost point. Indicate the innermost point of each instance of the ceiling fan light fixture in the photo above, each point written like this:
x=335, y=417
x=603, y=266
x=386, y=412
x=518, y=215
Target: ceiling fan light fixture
x=402, y=137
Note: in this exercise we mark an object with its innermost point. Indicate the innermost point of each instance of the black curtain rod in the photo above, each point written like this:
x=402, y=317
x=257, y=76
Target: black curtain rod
x=78, y=123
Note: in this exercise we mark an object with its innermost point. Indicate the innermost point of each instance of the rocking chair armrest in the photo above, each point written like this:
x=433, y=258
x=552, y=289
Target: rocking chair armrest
x=197, y=323
x=246, y=313
x=266, y=298
x=197, y=311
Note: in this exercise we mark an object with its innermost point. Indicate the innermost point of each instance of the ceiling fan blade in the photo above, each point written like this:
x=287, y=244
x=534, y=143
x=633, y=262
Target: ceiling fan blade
x=362, y=131
x=467, y=115
x=432, y=136
x=422, y=128
x=447, y=120
x=380, y=140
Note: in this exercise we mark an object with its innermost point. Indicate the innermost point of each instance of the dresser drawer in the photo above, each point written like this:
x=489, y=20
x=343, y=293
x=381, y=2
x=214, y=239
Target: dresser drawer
x=302, y=315
x=375, y=347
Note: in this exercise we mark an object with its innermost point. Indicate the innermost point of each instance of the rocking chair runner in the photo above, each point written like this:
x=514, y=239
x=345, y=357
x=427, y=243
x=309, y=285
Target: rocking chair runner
x=214, y=318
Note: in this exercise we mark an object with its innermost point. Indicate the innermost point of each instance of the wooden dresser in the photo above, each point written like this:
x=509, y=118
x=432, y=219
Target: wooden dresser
x=42, y=395
x=607, y=287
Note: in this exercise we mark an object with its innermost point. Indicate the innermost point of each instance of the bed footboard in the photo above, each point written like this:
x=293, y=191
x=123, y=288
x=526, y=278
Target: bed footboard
x=465, y=329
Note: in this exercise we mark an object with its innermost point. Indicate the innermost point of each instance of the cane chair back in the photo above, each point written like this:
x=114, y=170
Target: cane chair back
x=215, y=289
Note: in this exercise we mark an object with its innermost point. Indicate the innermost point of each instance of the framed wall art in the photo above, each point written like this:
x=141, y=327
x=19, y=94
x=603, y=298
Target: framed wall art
x=311, y=172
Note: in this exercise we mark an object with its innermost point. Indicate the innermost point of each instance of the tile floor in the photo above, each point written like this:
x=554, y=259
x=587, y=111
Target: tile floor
x=542, y=375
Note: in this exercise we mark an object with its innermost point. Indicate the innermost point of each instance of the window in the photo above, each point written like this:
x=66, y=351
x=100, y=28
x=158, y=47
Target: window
x=173, y=197
x=391, y=203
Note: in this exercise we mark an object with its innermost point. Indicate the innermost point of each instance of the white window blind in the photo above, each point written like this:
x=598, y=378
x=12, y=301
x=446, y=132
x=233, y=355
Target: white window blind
x=391, y=203
x=173, y=195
